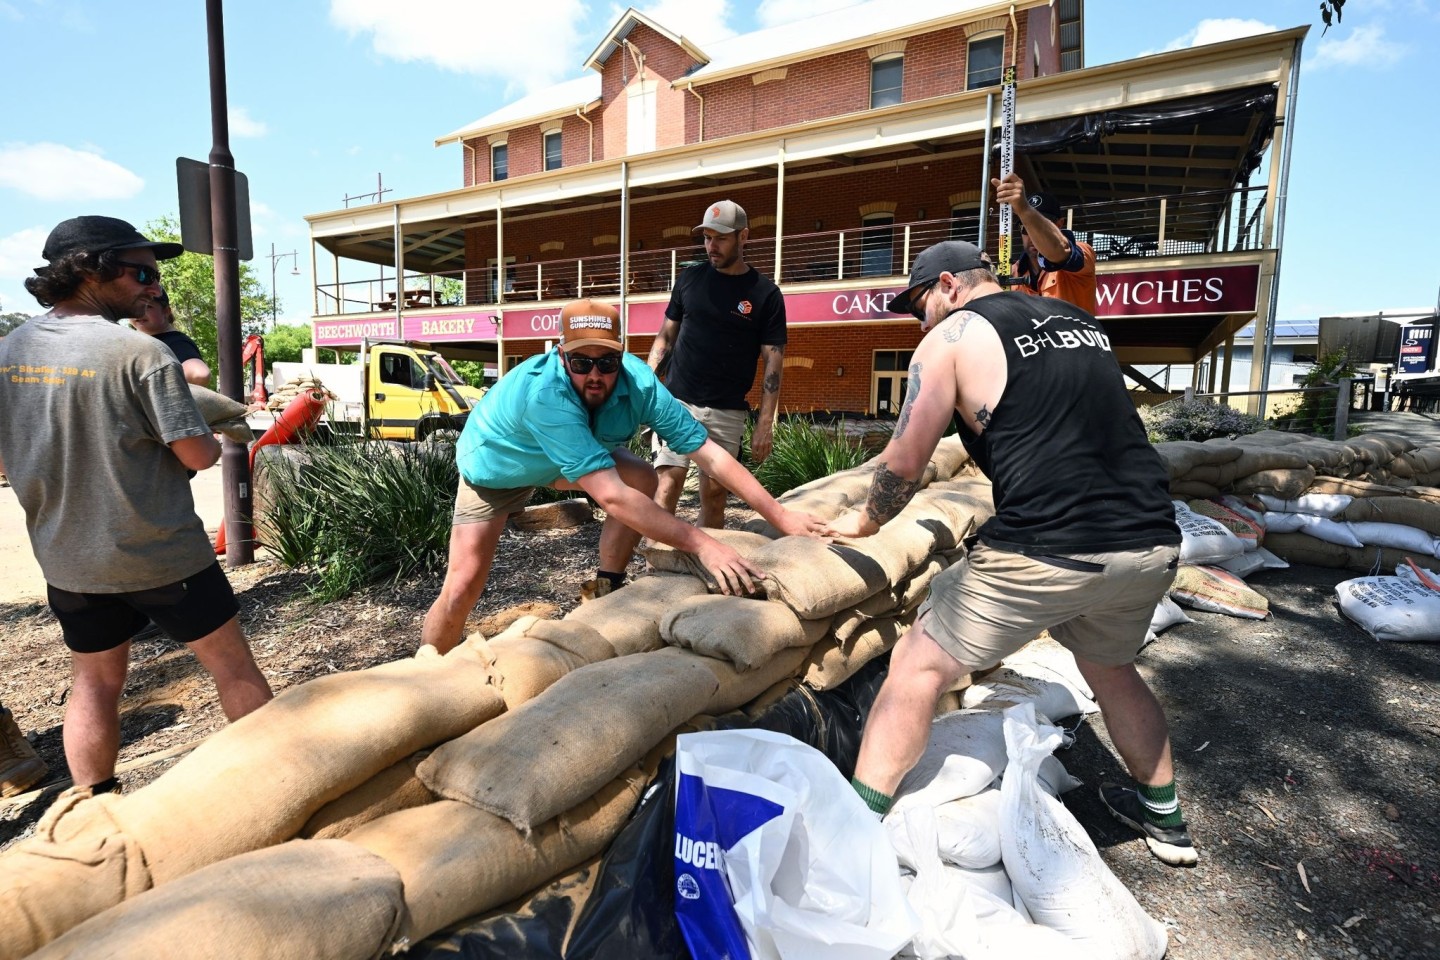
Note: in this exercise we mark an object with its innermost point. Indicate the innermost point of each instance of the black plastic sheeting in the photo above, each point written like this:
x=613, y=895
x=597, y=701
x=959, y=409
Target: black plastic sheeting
x=1049, y=136
x=630, y=909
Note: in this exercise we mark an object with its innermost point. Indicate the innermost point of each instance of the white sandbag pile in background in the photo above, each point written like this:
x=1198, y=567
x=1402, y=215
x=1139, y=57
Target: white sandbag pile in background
x=1204, y=540
x=1404, y=608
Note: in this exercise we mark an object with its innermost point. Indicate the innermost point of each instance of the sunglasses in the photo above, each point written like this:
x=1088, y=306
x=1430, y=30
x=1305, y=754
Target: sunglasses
x=916, y=310
x=582, y=365
x=145, y=275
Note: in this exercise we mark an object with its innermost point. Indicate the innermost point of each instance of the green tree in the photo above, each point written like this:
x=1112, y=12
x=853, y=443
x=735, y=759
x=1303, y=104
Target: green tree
x=9, y=321
x=284, y=343
x=190, y=281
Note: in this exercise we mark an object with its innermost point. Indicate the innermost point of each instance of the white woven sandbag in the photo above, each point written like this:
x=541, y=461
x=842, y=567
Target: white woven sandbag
x=1331, y=531
x=1396, y=535
x=1168, y=614
x=964, y=755
x=1204, y=540
x=1054, y=696
x=1243, y=565
x=1391, y=608
x=1316, y=504
x=1054, y=866
x=1413, y=572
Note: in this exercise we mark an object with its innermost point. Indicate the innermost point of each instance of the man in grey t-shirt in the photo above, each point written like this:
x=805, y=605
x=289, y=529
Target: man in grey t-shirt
x=97, y=429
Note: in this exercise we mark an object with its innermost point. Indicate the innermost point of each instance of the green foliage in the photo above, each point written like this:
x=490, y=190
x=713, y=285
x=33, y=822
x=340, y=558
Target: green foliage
x=1316, y=412
x=471, y=371
x=448, y=290
x=805, y=451
x=9, y=321
x=284, y=343
x=189, y=279
x=361, y=513
x=1196, y=420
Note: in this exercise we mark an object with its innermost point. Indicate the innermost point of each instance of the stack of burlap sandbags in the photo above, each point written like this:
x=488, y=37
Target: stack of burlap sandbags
x=361, y=812
x=1391, y=481
x=281, y=398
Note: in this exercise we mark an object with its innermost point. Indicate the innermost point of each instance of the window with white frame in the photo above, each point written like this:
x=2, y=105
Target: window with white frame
x=984, y=59
x=889, y=376
x=886, y=75
x=499, y=161
x=877, y=245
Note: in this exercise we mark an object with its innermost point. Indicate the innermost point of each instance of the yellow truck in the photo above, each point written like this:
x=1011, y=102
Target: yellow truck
x=396, y=391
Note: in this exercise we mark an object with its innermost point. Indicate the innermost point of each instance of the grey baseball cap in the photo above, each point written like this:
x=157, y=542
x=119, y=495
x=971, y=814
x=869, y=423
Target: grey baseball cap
x=726, y=216
x=950, y=256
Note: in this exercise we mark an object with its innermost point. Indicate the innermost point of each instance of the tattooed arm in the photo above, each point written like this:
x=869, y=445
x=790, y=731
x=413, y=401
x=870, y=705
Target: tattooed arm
x=660, y=349
x=764, y=436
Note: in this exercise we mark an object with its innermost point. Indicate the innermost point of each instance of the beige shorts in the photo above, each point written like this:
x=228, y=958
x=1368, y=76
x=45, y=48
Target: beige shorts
x=1098, y=605
x=475, y=504
x=726, y=427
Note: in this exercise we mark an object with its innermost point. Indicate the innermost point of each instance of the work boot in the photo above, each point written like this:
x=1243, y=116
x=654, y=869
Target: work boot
x=20, y=767
x=1170, y=845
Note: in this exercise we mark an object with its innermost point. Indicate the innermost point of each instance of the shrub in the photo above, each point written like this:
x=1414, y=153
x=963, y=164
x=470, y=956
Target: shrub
x=804, y=451
x=1316, y=411
x=1196, y=420
x=360, y=513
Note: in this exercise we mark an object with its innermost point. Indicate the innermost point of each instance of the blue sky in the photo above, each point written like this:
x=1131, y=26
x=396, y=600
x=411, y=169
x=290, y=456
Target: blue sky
x=325, y=95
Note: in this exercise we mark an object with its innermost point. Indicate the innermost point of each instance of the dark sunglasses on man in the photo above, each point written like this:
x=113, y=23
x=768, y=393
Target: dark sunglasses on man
x=145, y=274
x=581, y=365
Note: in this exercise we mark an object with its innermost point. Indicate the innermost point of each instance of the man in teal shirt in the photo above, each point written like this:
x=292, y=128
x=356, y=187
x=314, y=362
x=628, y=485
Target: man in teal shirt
x=562, y=419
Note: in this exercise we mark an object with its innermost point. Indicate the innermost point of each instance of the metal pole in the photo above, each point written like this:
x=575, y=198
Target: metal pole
x=234, y=457
x=985, y=172
x=624, y=244
x=273, y=307
x=1342, y=408
x=1292, y=96
x=779, y=210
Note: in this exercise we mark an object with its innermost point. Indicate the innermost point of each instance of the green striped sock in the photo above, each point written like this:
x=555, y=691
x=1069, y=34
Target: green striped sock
x=1162, y=806
x=874, y=799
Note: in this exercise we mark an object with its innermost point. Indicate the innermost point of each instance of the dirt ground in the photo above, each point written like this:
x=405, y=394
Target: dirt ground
x=1308, y=754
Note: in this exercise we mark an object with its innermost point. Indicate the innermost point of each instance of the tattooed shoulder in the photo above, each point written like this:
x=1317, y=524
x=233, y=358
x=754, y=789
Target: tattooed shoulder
x=954, y=325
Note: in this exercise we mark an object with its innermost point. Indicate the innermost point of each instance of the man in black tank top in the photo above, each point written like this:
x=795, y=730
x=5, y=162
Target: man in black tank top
x=1083, y=542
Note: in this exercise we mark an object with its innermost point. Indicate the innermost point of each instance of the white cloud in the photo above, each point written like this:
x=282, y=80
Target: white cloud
x=775, y=12
x=19, y=256
x=1364, y=46
x=700, y=23
x=526, y=45
x=244, y=125
x=1218, y=31
x=52, y=171
x=9, y=12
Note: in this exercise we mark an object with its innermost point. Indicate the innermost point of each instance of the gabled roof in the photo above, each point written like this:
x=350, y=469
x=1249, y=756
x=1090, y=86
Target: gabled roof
x=561, y=100
x=628, y=21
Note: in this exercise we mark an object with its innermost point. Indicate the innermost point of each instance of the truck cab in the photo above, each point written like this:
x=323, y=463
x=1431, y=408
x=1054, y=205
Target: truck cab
x=412, y=393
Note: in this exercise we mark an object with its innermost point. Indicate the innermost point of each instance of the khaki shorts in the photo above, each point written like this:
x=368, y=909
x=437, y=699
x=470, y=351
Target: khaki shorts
x=474, y=504
x=726, y=427
x=1098, y=605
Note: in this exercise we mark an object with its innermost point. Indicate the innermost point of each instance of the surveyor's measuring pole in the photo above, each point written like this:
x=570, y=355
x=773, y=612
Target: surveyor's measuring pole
x=1007, y=162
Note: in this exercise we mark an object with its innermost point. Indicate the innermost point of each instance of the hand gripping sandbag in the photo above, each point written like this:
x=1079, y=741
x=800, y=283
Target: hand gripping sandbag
x=768, y=823
x=1054, y=865
x=319, y=899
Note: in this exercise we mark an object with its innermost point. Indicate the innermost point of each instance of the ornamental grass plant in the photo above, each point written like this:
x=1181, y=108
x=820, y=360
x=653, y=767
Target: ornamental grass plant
x=803, y=451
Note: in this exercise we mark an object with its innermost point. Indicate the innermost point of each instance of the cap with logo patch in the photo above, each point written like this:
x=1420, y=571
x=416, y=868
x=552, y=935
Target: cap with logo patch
x=727, y=216
x=590, y=323
x=1046, y=204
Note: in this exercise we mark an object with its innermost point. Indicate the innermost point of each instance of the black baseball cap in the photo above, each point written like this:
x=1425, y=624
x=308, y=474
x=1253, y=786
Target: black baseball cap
x=1047, y=205
x=95, y=234
x=951, y=256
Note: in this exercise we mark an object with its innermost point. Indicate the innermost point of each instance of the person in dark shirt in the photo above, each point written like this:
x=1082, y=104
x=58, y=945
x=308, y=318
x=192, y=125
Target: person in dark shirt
x=1083, y=542
x=158, y=321
x=724, y=315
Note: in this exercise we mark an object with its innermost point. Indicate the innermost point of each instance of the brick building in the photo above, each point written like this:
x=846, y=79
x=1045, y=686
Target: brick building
x=854, y=140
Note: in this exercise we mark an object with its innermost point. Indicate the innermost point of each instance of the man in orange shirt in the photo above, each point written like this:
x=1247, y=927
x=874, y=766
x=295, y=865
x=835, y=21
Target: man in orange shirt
x=1055, y=264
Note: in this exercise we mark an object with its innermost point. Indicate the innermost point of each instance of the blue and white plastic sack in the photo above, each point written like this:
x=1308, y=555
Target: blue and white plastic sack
x=777, y=857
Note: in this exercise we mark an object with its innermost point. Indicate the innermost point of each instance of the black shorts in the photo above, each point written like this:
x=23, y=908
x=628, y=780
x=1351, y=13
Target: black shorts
x=187, y=610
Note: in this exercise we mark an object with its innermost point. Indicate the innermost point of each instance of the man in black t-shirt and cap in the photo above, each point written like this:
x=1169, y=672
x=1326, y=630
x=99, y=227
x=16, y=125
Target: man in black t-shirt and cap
x=723, y=316
x=1083, y=542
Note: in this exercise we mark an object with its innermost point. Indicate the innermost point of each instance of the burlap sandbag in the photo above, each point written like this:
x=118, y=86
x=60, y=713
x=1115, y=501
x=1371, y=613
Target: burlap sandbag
x=1379, y=449
x=534, y=763
x=395, y=788
x=735, y=688
x=1286, y=484
x=456, y=860
x=319, y=899
x=1303, y=548
x=740, y=630
x=1408, y=511
x=532, y=654
x=256, y=782
x=1182, y=456
x=818, y=504
x=1353, y=488
x=1420, y=462
x=1326, y=456
x=629, y=618
x=1430, y=494
x=902, y=599
x=1257, y=459
x=1192, y=489
x=950, y=457
x=811, y=577
x=831, y=663
x=222, y=414
x=1217, y=475
x=78, y=864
